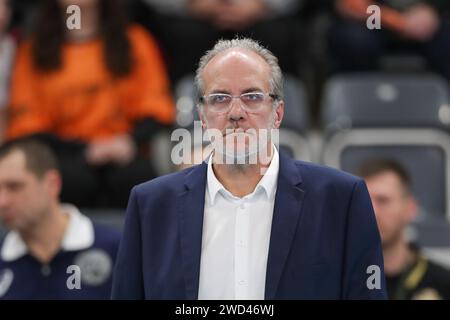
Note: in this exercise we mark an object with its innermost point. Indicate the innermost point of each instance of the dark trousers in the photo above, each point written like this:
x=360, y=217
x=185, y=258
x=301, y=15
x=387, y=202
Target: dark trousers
x=105, y=186
x=356, y=48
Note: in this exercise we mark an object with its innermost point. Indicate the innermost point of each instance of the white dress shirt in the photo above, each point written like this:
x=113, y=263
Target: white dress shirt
x=236, y=236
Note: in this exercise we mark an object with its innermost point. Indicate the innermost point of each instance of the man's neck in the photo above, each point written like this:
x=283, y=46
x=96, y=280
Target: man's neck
x=240, y=180
x=45, y=238
x=397, y=257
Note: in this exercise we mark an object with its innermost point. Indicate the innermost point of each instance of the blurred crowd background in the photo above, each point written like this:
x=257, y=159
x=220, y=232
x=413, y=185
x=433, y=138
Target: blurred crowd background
x=105, y=98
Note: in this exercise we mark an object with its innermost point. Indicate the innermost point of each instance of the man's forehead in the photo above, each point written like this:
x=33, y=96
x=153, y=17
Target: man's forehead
x=237, y=55
x=13, y=163
x=386, y=180
x=236, y=64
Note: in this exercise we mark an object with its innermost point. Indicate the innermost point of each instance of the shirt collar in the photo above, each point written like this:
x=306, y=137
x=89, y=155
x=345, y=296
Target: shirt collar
x=268, y=182
x=79, y=235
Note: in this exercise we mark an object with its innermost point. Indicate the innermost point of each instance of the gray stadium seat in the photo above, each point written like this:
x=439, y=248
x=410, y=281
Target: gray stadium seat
x=425, y=161
x=110, y=217
x=186, y=100
x=296, y=110
x=385, y=100
x=424, y=153
x=404, y=117
x=433, y=235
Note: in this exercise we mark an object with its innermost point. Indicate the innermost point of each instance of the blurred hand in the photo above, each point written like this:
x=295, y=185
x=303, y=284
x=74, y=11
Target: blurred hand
x=5, y=15
x=241, y=14
x=119, y=149
x=229, y=14
x=204, y=9
x=353, y=9
x=421, y=23
x=97, y=153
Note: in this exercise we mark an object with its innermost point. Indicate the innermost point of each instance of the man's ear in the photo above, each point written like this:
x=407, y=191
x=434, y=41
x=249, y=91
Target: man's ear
x=53, y=182
x=201, y=115
x=412, y=208
x=279, y=114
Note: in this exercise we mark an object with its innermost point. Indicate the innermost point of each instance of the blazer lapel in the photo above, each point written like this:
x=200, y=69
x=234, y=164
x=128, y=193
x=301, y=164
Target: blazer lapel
x=190, y=217
x=285, y=221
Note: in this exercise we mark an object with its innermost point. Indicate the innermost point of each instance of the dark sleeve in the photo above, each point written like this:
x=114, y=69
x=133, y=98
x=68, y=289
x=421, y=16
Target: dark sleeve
x=439, y=5
x=364, y=266
x=437, y=277
x=127, y=277
x=145, y=129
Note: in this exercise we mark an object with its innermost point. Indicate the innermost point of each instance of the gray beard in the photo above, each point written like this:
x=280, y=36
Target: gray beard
x=239, y=168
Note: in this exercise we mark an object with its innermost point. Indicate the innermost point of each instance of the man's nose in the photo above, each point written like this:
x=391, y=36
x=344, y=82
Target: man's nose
x=236, y=112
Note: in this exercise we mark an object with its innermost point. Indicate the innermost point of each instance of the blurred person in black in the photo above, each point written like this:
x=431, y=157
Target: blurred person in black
x=415, y=26
x=22, y=13
x=409, y=273
x=194, y=26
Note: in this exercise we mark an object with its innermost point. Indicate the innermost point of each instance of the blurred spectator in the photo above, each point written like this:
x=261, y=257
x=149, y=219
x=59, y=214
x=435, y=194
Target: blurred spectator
x=96, y=95
x=48, y=237
x=7, y=51
x=416, y=25
x=23, y=11
x=409, y=274
x=187, y=28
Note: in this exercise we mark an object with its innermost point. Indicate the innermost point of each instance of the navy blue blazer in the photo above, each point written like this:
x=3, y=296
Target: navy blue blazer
x=324, y=237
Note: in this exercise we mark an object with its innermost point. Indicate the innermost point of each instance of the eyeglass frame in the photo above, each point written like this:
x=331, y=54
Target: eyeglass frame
x=202, y=99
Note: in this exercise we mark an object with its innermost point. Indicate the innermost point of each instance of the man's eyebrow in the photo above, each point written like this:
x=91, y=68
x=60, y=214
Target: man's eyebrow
x=252, y=89
x=220, y=91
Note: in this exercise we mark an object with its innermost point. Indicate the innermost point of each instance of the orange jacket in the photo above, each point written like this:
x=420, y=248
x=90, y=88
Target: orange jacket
x=82, y=100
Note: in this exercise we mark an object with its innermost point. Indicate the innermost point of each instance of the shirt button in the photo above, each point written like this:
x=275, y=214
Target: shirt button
x=242, y=206
x=46, y=270
x=242, y=282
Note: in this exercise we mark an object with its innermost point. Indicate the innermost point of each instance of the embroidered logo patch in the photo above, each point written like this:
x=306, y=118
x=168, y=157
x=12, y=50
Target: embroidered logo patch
x=6, y=279
x=95, y=266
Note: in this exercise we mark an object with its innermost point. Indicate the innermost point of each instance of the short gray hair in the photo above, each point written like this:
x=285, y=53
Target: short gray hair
x=276, y=79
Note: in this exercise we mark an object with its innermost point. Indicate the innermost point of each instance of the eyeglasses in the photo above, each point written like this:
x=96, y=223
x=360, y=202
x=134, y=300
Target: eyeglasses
x=250, y=101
